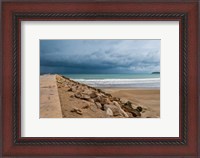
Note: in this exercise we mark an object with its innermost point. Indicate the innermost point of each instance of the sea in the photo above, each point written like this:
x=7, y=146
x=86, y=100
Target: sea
x=117, y=80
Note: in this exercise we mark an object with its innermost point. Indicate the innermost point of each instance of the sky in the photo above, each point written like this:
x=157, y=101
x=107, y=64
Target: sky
x=99, y=56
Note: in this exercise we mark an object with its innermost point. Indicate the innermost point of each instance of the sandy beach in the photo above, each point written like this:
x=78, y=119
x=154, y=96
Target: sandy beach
x=149, y=98
x=61, y=97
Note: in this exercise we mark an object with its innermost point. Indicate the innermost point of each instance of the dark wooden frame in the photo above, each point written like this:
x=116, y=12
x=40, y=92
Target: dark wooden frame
x=185, y=145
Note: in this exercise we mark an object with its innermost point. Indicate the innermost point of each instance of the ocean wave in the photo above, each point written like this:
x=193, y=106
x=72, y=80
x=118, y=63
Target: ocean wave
x=150, y=82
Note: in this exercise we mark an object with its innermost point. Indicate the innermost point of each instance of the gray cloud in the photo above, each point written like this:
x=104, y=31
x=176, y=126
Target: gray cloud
x=99, y=56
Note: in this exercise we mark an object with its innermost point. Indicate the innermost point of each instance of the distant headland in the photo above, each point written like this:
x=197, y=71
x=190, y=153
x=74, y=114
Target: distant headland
x=155, y=73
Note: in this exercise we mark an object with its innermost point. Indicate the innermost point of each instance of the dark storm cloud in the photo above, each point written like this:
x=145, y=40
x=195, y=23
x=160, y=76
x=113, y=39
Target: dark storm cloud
x=99, y=56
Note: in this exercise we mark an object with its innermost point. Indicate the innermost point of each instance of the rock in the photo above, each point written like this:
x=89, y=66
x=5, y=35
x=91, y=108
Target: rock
x=129, y=114
x=86, y=106
x=77, y=110
x=99, y=106
x=85, y=97
x=115, y=109
x=104, y=101
x=127, y=106
x=70, y=89
x=120, y=109
x=59, y=82
x=93, y=95
x=90, y=100
x=123, y=101
x=109, y=112
x=67, y=89
x=108, y=95
x=78, y=88
x=73, y=89
x=135, y=113
x=74, y=84
x=94, y=109
x=60, y=79
x=116, y=99
x=116, y=104
x=86, y=90
x=97, y=99
x=100, y=91
x=65, y=77
x=139, y=108
x=124, y=113
x=128, y=103
x=78, y=95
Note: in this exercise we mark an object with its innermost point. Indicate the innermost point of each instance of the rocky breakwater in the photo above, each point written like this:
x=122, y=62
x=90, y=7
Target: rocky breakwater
x=82, y=101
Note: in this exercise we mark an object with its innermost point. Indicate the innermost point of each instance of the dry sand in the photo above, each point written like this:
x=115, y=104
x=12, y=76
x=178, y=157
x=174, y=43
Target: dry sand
x=56, y=100
x=149, y=98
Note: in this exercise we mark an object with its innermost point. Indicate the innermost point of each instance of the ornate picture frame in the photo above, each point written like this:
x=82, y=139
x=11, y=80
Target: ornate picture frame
x=184, y=145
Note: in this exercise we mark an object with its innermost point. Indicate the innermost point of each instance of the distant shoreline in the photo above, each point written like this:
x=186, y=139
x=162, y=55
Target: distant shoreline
x=118, y=81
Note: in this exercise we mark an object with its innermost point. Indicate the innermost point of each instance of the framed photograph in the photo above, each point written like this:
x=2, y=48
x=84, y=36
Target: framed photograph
x=100, y=78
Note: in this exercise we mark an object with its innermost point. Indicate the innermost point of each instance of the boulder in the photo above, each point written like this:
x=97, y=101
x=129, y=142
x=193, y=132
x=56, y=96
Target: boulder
x=97, y=99
x=100, y=91
x=108, y=95
x=93, y=94
x=85, y=97
x=78, y=95
x=124, y=113
x=128, y=103
x=86, y=106
x=135, y=113
x=77, y=110
x=90, y=100
x=127, y=106
x=139, y=108
x=104, y=100
x=123, y=100
x=59, y=81
x=121, y=110
x=99, y=106
x=116, y=111
x=79, y=88
x=116, y=99
x=86, y=90
x=116, y=104
x=129, y=114
x=109, y=112
x=72, y=89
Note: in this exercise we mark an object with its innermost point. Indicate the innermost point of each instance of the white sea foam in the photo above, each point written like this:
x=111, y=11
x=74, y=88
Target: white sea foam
x=150, y=82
